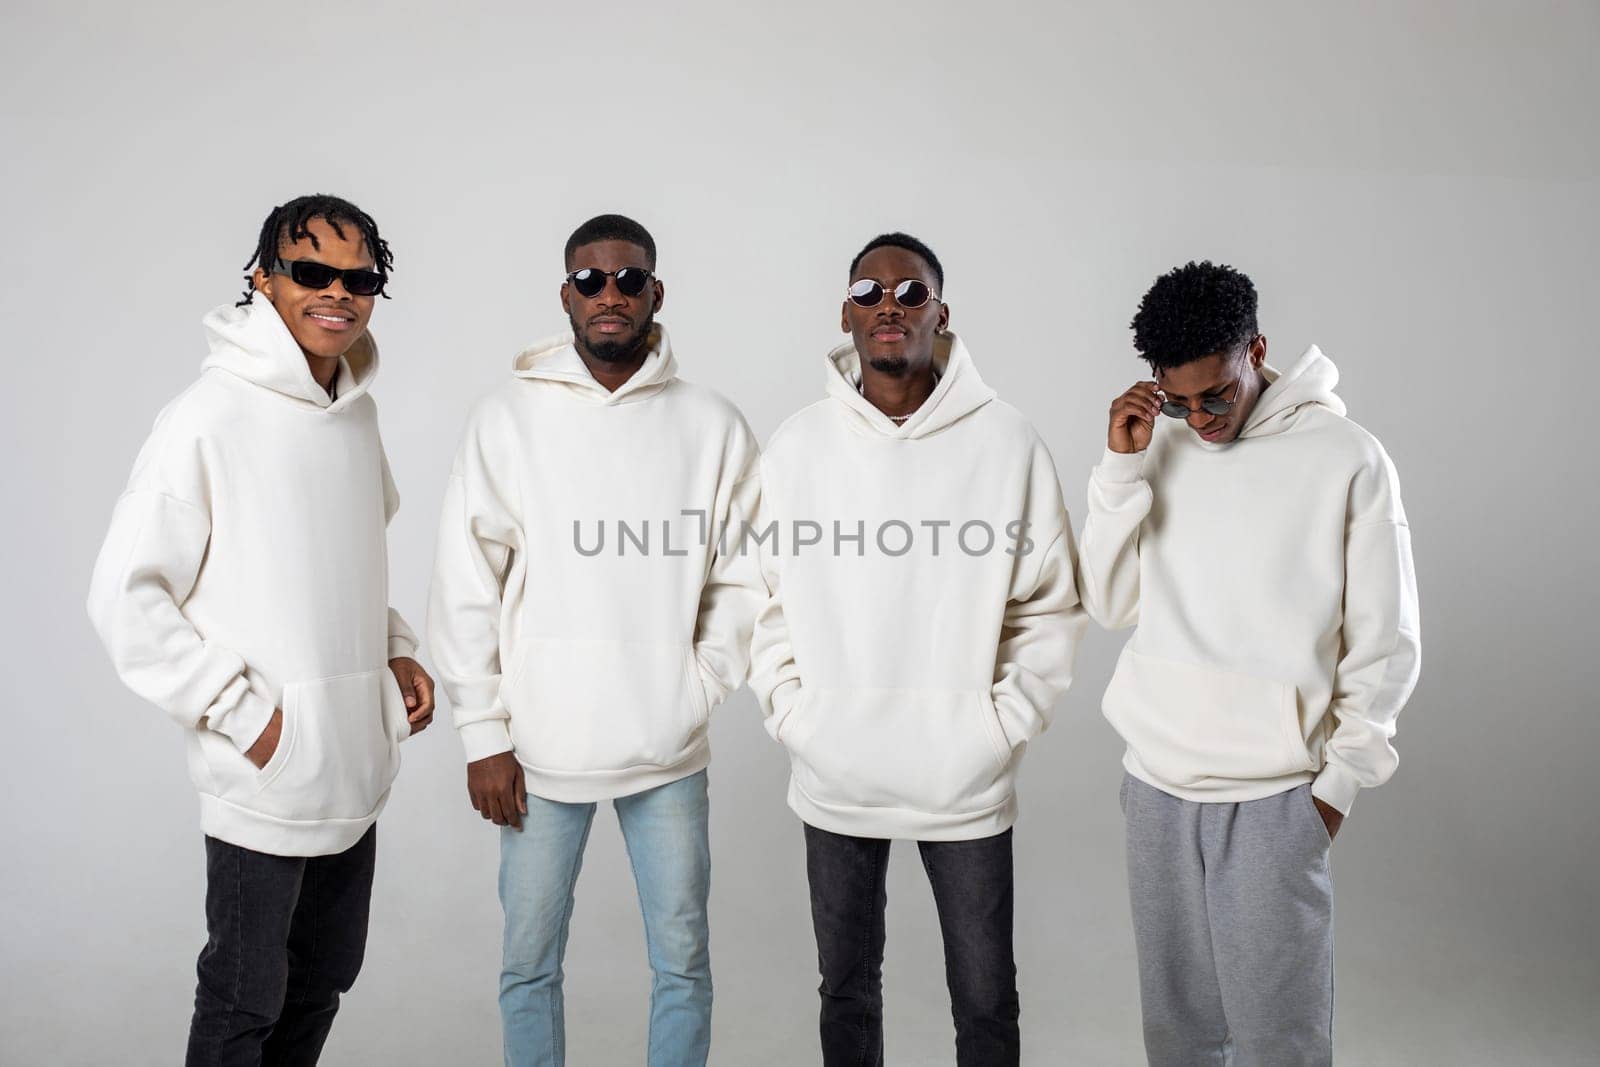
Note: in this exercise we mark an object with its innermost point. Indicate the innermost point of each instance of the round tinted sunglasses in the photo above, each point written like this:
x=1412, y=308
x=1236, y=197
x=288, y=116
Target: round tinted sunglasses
x=1213, y=405
x=868, y=293
x=589, y=281
x=313, y=275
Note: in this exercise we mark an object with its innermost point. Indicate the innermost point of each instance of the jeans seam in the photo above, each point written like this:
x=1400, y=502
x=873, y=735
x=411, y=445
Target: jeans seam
x=649, y=943
x=868, y=929
x=557, y=1035
x=238, y=937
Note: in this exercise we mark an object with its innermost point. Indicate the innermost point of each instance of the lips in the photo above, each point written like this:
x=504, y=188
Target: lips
x=1212, y=435
x=889, y=334
x=609, y=325
x=337, y=321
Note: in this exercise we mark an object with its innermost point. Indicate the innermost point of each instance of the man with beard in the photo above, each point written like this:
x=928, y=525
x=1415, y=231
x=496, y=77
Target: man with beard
x=917, y=631
x=579, y=674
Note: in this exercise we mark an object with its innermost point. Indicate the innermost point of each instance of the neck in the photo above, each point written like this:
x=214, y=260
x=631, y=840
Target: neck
x=323, y=369
x=897, y=395
x=609, y=374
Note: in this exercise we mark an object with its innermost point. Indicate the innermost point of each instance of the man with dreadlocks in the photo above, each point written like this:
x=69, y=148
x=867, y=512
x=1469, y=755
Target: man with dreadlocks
x=1263, y=553
x=243, y=589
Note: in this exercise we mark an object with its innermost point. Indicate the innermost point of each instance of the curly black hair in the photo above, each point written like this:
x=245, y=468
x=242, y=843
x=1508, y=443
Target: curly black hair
x=287, y=222
x=611, y=228
x=1194, y=311
x=907, y=242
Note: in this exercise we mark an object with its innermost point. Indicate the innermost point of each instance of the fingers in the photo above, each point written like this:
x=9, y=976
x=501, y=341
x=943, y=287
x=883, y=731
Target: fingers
x=480, y=802
x=422, y=688
x=408, y=684
x=519, y=806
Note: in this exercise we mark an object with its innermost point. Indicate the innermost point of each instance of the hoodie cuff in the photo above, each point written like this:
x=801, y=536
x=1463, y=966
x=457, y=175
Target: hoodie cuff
x=1120, y=467
x=402, y=646
x=1336, y=787
x=485, y=738
x=244, y=722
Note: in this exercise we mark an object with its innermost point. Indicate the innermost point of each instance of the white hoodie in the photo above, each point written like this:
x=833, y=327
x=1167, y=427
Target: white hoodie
x=905, y=660
x=598, y=668
x=246, y=569
x=1272, y=583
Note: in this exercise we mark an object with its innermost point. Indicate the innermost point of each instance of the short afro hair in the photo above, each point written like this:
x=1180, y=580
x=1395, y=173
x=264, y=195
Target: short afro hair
x=910, y=244
x=611, y=228
x=1194, y=311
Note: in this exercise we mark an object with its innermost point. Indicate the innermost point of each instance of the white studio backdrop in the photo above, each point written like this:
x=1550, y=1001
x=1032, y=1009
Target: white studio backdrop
x=1412, y=186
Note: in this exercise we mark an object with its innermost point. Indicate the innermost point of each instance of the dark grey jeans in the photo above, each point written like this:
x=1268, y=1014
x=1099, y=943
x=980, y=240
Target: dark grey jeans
x=286, y=935
x=972, y=890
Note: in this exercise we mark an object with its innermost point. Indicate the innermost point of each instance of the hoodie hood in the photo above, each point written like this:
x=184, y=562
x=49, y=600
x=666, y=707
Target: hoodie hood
x=1309, y=381
x=959, y=392
x=252, y=343
x=556, y=360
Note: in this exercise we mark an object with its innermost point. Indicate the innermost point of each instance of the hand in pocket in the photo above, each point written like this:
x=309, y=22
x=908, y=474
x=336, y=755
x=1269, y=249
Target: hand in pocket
x=260, y=753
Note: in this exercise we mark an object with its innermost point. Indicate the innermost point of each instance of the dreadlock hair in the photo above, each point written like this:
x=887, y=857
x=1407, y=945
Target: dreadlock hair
x=910, y=244
x=611, y=228
x=1194, y=311
x=288, y=223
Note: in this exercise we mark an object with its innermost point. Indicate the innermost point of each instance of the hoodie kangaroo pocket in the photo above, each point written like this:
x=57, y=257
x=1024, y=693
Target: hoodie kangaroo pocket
x=921, y=749
x=1187, y=723
x=337, y=753
x=604, y=705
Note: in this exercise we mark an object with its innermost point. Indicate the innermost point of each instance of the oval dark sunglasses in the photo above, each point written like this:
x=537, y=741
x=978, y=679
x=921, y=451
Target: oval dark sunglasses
x=313, y=275
x=590, y=280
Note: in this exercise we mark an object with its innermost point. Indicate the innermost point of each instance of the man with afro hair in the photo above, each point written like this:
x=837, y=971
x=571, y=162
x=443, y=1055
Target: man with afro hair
x=1263, y=554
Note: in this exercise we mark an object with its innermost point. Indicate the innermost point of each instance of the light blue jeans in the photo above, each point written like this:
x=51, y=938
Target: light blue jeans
x=666, y=836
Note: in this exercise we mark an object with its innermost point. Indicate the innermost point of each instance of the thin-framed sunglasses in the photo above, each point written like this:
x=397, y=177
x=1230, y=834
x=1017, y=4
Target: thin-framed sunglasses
x=1213, y=405
x=589, y=281
x=313, y=275
x=909, y=294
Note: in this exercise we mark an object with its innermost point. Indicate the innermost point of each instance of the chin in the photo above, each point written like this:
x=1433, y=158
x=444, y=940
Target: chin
x=889, y=364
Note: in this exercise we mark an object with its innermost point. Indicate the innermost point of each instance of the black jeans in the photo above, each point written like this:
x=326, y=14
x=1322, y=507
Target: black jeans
x=286, y=937
x=972, y=889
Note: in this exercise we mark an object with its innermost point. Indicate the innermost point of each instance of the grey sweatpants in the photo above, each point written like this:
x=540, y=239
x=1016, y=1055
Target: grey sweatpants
x=1233, y=920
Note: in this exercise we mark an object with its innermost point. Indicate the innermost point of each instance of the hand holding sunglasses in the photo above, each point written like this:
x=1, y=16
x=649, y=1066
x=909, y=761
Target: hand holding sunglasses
x=909, y=294
x=310, y=274
x=590, y=281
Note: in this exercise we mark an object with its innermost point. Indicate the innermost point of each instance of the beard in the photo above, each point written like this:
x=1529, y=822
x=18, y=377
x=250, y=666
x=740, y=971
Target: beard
x=896, y=365
x=618, y=349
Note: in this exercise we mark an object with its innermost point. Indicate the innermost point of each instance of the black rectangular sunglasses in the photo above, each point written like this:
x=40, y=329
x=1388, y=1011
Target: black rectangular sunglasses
x=314, y=275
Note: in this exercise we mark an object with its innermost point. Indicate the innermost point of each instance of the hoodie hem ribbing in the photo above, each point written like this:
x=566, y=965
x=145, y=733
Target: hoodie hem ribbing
x=903, y=823
x=1220, y=790
x=587, y=787
x=282, y=837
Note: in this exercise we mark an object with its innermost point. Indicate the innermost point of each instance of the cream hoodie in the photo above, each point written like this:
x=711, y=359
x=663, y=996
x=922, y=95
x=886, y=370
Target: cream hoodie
x=246, y=569
x=594, y=650
x=1272, y=584
x=907, y=657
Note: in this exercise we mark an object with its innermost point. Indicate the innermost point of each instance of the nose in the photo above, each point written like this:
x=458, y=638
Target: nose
x=612, y=295
x=337, y=289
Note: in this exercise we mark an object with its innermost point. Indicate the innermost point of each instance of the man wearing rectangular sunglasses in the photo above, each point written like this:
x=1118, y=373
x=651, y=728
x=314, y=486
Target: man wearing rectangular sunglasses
x=587, y=615
x=1264, y=555
x=922, y=619
x=243, y=588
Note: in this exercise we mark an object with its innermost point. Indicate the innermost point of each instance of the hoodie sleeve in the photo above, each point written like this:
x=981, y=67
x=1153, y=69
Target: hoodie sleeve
x=152, y=556
x=1381, y=655
x=1108, y=567
x=479, y=536
x=733, y=591
x=402, y=640
x=1044, y=621
x=774, y=675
